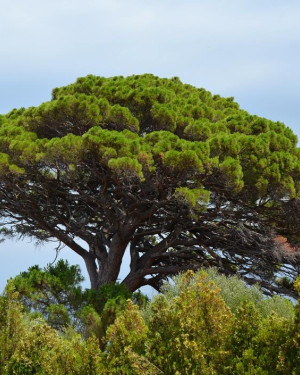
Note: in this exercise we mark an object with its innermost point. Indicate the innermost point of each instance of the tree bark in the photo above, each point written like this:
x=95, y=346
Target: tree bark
x=92, y=271
x=133, y=281
x=110, y=267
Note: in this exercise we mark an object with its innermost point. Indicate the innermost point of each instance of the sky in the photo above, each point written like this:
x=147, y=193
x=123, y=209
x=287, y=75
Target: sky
x=249, y=49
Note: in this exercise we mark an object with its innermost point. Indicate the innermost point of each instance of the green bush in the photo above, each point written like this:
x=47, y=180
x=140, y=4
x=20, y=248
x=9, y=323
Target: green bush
x=55, y=294
x=202, y=323
x=260, y=331
x=30, y=346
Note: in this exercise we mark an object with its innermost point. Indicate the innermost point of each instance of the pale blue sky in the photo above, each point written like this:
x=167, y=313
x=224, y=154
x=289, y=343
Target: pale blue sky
x=249, y=49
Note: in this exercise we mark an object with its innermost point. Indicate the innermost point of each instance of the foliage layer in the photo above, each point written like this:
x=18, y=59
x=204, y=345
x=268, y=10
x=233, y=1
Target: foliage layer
x=178, y=177
x=187, y=329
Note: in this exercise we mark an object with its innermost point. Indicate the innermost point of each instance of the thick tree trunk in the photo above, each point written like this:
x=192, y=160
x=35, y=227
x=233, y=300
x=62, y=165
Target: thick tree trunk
x=109, y=272
x=133, y=281
x=109, y=263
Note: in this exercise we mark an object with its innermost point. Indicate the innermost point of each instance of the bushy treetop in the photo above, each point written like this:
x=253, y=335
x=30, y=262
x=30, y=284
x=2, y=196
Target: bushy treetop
x=186, y=178
x=142, y=123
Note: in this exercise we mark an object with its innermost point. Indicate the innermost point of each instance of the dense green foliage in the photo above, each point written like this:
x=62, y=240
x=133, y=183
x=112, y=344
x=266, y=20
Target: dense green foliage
x=194, y=327
x=55, y=294
x=181, y=177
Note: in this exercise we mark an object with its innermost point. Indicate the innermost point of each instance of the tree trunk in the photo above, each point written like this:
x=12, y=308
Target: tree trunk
x=92, y=271
x=133, y=281
x=110, y=266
